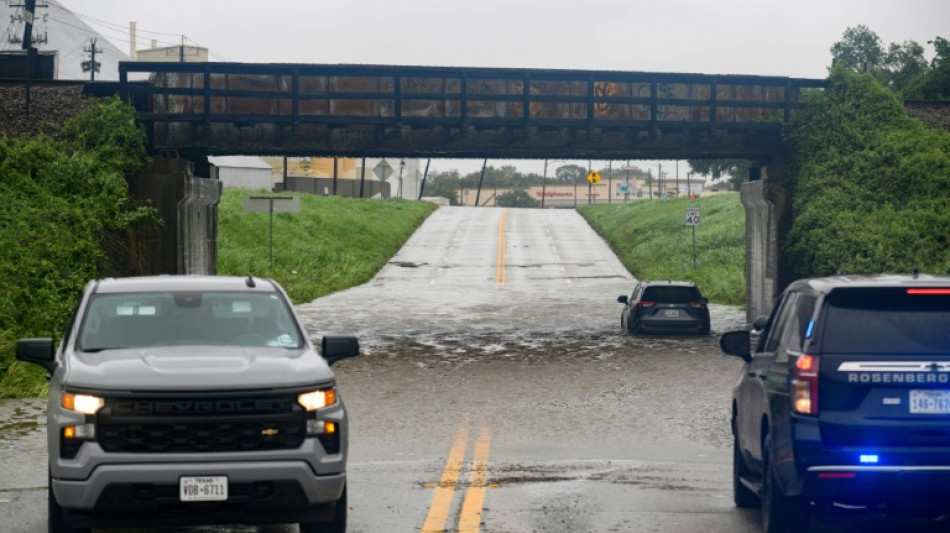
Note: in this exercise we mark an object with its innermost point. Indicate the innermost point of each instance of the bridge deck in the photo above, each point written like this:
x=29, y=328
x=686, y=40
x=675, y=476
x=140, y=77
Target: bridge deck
x=360, y=110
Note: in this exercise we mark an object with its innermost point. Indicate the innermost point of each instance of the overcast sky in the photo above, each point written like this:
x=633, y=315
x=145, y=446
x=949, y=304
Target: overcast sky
x=760, y=37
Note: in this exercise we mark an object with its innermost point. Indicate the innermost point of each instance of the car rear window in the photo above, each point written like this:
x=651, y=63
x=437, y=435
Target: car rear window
x=887, y=321
x=671, y=294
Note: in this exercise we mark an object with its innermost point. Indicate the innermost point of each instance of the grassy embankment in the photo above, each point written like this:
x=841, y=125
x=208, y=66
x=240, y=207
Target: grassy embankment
x=652, y=241
x=333, y=243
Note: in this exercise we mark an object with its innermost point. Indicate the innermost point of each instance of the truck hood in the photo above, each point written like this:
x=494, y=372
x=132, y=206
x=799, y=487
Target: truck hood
x=205, y=368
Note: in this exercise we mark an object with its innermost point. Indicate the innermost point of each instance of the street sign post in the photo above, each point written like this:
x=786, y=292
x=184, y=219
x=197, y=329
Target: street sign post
x=692, y=216
x=382, y=170
x=281, y=204
x=592, y=178
x=692, y=220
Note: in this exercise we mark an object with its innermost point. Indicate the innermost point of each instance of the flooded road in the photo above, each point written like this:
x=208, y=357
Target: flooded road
x=497, y=392
x=501, y=328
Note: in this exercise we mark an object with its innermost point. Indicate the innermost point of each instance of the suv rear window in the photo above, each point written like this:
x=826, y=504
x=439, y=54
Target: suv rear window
x=674, y=295
x=886, y=321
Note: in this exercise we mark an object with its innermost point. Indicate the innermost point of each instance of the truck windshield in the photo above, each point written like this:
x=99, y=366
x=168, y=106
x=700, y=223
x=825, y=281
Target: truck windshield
x=886, y=321
x=139, y=320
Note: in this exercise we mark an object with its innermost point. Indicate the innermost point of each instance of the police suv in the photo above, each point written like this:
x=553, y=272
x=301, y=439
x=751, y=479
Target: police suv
x=844, y=403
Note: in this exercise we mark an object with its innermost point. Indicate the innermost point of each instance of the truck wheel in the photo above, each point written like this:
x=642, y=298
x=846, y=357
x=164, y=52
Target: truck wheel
x=55, y=520
x=780, y=513
x=741, y=495
x=337, y=525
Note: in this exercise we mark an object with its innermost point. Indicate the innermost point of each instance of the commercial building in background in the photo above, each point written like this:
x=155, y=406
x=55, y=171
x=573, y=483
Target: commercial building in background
x=617, y=190
x=242, y=172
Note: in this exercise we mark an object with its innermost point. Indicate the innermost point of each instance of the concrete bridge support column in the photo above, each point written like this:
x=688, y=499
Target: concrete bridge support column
x=188, y=241
x=766, y=201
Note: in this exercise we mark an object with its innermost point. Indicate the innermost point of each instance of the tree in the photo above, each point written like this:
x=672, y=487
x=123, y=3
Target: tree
x=902, y=64
x=444, y=184
x=934, y=84
x=860, y=50
x=570, y=174
x=516, y=198
x=734, y=170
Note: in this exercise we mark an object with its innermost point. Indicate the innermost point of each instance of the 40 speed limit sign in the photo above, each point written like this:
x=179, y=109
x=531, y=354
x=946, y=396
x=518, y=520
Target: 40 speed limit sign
x=692, y=216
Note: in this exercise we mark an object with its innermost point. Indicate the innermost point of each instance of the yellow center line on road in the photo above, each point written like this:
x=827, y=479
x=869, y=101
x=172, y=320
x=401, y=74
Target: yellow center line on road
x=471, y=517
x=500, y=273
x=442, y=500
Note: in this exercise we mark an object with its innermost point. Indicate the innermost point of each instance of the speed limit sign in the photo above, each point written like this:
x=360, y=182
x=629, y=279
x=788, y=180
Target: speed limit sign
x=692, y=216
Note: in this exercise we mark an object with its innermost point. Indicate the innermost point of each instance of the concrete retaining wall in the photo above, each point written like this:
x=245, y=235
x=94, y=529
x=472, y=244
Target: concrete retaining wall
x=187, y=243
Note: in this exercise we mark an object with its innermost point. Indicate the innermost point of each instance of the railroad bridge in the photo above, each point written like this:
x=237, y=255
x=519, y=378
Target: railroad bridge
x=192, y=110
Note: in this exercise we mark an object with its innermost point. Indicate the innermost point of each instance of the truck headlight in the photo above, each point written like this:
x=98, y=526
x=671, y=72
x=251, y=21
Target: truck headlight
x=82, y=403
x=318, y=399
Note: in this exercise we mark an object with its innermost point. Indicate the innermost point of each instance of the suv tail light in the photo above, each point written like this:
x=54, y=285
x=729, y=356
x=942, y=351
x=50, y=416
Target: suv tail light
x=698, y=305
x=645, y=304
x=805, y=385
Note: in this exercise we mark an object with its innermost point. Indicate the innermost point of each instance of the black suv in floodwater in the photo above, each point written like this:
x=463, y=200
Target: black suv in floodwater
x=665, y=307
x=844, y=404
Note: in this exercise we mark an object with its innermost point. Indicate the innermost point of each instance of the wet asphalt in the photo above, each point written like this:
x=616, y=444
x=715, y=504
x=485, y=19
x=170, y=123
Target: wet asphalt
x=496, y=392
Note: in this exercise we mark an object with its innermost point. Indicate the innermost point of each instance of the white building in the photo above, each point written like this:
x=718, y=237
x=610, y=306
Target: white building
x=242, y=172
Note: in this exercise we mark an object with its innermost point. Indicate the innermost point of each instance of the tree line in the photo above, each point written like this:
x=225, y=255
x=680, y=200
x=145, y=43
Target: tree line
x=900, y=67
x=448, y=184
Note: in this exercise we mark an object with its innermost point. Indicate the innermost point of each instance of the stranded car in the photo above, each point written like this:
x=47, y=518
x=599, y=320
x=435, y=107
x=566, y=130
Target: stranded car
x=844, y=404
x=665, y=307
x=192, y=400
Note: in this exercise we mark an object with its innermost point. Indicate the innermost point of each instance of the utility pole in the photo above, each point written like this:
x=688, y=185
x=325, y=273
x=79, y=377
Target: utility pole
x=544, y=180
x=659, y=181
x=91, y=66
x=626, y=188
x=425, y=175
x=482, y=178
x=181, y=51
x=610, y=181
x=29, y=10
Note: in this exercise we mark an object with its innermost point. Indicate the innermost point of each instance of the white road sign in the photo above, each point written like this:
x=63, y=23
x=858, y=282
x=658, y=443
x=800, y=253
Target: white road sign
x=692, y=216
x=383, y=170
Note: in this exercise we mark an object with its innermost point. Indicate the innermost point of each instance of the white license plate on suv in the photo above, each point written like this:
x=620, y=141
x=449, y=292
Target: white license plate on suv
x=934, y=402
x=203, y=488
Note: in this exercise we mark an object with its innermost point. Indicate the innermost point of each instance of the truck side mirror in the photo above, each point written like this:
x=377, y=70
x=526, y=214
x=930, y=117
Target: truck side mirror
x=337, y=347
x=736, y=343
x=39, y=351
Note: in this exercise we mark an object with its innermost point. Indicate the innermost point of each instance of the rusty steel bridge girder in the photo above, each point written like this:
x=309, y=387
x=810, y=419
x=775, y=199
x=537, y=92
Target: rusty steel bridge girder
x=199, y=109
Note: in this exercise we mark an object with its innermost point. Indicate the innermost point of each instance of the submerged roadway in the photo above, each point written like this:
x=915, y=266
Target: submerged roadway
x=496, y=392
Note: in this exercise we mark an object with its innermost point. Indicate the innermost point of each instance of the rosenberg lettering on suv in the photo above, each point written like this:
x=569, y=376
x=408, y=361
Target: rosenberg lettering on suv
x=192, y=400
x=844, y=404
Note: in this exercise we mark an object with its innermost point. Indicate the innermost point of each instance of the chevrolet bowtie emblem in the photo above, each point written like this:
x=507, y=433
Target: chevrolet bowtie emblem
x=269, y=432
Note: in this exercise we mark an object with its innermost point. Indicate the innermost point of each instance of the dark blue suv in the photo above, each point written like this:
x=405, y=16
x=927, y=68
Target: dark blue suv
x=844, y=403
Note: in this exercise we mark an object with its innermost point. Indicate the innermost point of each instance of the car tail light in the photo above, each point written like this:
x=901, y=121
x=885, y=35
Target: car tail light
x=698, y=305
x=805, y=385
x=645, y=304
x=928, y=291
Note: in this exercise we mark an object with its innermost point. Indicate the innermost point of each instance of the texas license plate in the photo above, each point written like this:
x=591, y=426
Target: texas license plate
x=932, y=402
x=671, y=313
x=203, y=488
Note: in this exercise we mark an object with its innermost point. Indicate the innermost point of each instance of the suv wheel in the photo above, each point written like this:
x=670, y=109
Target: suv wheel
x=337, y=525
x=55, y=519
x=780, y=513
x=632, y=325
x=741, y=495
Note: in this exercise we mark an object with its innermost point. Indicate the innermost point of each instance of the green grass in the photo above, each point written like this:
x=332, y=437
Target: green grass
x=652, y=241
x=333, y=243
